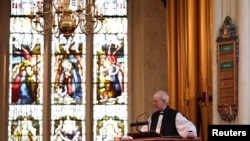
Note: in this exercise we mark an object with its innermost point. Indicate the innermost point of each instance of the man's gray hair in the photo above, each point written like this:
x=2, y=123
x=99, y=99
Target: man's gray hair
x=163, y=95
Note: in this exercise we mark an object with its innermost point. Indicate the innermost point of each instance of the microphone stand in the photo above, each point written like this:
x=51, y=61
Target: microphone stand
x=137, y=123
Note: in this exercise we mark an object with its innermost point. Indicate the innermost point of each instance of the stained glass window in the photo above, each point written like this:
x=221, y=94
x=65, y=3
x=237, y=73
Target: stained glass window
x=68, y=87
x=67, y=76
x=26, y=75
x=110, y=73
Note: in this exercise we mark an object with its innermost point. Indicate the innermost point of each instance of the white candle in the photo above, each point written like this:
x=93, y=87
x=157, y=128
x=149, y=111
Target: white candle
x=37, y=18
x=59, y=3
x=78, y=3
x=32, y=10
x=92, y=12
x=90, y=2
x=101, y=9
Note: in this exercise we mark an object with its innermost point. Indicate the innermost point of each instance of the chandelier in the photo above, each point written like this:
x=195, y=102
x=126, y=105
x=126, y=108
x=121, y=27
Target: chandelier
x=61, y=18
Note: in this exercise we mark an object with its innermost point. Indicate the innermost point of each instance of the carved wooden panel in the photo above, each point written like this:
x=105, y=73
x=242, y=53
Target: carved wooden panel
x=227, y=64
x=227, y=61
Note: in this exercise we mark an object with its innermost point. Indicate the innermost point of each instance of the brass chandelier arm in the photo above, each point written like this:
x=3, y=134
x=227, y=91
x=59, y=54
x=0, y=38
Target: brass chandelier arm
x=59, y=19
x=98, y=29
x=91, y=27
x=34, y=26
x=42, y=27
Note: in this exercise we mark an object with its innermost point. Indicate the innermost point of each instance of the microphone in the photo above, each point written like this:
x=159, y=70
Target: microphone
x=139, y=123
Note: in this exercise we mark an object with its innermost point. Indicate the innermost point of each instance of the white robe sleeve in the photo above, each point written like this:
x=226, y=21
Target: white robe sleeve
x=184, y=125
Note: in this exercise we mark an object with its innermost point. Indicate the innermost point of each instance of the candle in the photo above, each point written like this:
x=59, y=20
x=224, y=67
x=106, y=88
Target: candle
x=78, y=3
x=101, y=9
x=37, y=18
x=90, y=2
x=32, y=11
x=59, y=3
x=92, y=12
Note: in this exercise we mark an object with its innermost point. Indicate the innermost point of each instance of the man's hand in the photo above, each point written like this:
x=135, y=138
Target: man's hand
x=124, y=138
x=190, y=135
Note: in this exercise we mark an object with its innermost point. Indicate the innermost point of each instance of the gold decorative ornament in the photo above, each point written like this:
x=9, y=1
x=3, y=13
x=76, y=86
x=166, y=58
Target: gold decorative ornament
x=61, y=17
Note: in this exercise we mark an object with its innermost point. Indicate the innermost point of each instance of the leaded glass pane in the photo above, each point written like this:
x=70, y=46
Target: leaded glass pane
x=109, y=121
x=26, y=75
x=112, y=7
x=68, y=122
x=23, y=7
x=25, y=123
x=26, y=55
x=68, y=88
x=68, y=69
x=109, y=68
x=116, y=25
x=110, y=72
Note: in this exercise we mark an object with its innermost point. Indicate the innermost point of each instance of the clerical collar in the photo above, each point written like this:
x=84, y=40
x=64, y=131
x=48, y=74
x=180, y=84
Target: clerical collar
x=161, y=113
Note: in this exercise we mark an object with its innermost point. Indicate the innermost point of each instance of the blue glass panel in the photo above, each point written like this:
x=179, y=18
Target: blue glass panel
x=110, y=65
x=26, y=68
x=26, y=75
x=109, y=53
x=68, y=70
x=68, y=82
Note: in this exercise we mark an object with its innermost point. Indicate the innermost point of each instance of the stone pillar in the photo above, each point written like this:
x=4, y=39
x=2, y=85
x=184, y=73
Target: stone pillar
x=217, y=21
x=244, y=62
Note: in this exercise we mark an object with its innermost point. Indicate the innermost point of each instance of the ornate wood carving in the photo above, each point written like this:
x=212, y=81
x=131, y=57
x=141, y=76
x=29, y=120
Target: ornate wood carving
x=227, y=64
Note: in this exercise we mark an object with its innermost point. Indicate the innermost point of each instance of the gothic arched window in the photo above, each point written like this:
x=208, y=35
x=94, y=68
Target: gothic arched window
x=68, y=86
